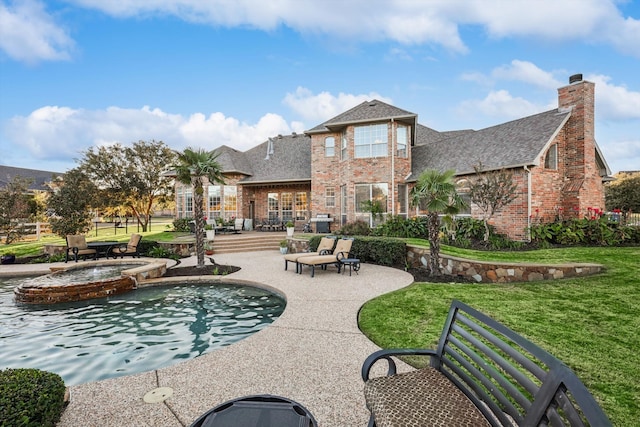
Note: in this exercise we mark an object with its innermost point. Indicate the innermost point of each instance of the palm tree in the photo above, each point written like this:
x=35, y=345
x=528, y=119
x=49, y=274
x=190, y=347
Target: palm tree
x=193, y=166
x=435, y=191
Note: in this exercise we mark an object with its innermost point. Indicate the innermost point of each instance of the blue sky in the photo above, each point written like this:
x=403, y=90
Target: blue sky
x=203, y=73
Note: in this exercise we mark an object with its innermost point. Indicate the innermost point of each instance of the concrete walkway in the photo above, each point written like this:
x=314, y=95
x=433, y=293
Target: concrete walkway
x=311, y=354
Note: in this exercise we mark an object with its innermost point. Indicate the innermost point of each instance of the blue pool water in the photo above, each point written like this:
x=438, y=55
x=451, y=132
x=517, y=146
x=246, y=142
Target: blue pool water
x=140, y=331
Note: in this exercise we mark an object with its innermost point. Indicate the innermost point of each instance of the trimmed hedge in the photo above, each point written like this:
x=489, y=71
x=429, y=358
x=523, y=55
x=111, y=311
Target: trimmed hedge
x=30, y=398
x=373, y=250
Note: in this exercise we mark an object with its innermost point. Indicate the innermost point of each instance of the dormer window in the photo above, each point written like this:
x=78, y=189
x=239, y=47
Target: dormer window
x=551, y=158
x=329, y=146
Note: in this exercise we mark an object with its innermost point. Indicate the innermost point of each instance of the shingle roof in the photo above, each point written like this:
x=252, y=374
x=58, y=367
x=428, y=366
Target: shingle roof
x=516, y=143
x=232, y=160
x=368, y=111
x=289, y=160
x=39, y=177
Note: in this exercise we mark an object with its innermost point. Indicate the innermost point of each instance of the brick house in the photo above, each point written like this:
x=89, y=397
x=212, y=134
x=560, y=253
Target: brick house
x=375, y=152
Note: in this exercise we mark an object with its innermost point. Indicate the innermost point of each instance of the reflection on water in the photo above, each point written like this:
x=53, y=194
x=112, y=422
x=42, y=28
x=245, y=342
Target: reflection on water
x=139, y=331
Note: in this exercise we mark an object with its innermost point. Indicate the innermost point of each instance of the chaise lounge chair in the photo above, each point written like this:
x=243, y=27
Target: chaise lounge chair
x=77, y=245
x=342, y=250
x=324, y=248
x=130, y=248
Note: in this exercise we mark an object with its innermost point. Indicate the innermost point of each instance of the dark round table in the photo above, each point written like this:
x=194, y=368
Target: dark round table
x=257, y=411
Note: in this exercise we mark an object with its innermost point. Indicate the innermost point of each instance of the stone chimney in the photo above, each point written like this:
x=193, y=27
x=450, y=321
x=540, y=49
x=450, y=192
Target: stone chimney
x=583, y=184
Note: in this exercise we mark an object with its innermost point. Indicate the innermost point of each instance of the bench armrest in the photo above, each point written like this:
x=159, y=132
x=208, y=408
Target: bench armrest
x=388, y=354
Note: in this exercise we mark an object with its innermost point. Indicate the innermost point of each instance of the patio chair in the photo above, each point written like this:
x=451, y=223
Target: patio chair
x=130, y=248
x=325, y=247
x=77, y=246
x=341, y=251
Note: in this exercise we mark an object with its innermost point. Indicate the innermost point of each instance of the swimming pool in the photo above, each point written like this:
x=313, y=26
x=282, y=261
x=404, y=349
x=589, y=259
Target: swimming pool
x=139, y=331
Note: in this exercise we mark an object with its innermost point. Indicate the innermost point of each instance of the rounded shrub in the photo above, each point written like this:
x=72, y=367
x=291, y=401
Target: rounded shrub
x=30, y=398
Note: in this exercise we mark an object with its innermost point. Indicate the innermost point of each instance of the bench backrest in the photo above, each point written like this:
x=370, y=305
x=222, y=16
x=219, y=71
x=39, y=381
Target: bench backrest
x=510, y=379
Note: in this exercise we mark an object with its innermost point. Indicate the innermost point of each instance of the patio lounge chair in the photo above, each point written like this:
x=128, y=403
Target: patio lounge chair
x=325, y=247
x=342, y=250
x=77, y=246
x=130, y=248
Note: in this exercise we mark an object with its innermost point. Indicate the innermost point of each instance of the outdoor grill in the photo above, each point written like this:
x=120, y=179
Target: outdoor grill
x=323, y=223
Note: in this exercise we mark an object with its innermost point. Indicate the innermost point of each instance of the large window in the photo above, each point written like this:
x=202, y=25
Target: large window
x=230, y=202
x=551, y=159
x=402, y=200
x=214, y=201
x=370, y=141
x=301, y=206
x=273, y=207
x=343, y=204
x=401, y=141
x=329, y=146
x=179, y=202
x=371, y=197
x=330, y=197
x=287, y=206
x=188, y=203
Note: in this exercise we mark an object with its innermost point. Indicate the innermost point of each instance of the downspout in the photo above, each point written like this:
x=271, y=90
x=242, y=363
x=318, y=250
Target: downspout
x=393, y=168
x=528, y=172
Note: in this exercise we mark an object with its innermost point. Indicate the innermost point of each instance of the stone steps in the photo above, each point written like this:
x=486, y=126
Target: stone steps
x=248, y=242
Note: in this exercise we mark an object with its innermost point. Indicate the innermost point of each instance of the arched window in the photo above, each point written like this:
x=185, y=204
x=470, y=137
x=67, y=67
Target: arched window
x=551, y=159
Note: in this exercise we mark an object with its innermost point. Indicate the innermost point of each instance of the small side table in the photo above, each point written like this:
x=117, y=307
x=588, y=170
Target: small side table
x=257, y=411
x=352, y=263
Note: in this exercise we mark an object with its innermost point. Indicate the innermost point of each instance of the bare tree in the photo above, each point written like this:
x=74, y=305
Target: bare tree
x=490, y=192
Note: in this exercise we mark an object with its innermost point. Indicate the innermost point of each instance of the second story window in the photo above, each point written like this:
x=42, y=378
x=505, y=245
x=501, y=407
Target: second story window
x=370, y=141
x=329, y=146
x=401, y=141
x=343, y=150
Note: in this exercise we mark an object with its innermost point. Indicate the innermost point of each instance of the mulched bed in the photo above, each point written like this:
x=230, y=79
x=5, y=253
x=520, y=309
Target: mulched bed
x=208, y=269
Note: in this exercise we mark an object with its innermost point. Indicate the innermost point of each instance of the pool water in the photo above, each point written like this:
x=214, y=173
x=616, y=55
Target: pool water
x=139, y=331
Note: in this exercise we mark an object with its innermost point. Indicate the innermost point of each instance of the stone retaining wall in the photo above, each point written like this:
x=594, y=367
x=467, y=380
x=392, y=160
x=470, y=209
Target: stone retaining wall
x=481, y=271
x=501, y=272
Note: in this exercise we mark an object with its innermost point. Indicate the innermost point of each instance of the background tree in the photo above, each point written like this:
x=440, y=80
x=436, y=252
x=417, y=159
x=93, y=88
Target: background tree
x=132, y=176
x=490, y=192
x=624, y=194
x=15, y=208
x=435, y=192
x=70, y=203
x=193, y=166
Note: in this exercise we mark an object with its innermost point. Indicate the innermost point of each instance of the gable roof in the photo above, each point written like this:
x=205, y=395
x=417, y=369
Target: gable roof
x=512, y=144
x=368, y=111
x=39, y=177
x=289, y=160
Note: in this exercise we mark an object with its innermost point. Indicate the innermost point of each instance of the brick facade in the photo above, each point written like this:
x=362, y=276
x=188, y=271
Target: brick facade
x=568, y=186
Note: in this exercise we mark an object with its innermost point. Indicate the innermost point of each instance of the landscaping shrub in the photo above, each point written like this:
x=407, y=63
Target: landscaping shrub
x=585, y=231
x=161, y=252
x=182, y=224
x=146, y=246
x=380, y=250
x=30, y=398
x=356, y=228
x=397, y=226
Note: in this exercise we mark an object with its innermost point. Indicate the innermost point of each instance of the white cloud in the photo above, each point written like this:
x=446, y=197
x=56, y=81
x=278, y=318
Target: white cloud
x=29, y=34
x=615, y=102
x=54, y=133
x=323, y=106
x=499, y=104
x=527, y=72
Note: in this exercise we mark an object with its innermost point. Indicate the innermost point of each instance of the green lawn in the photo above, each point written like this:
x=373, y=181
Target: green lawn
x=591, y=324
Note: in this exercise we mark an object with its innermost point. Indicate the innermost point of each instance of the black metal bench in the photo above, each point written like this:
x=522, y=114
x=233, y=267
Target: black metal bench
x=481, y=374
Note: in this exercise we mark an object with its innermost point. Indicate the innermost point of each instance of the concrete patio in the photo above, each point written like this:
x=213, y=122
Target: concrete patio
x=311, y=354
